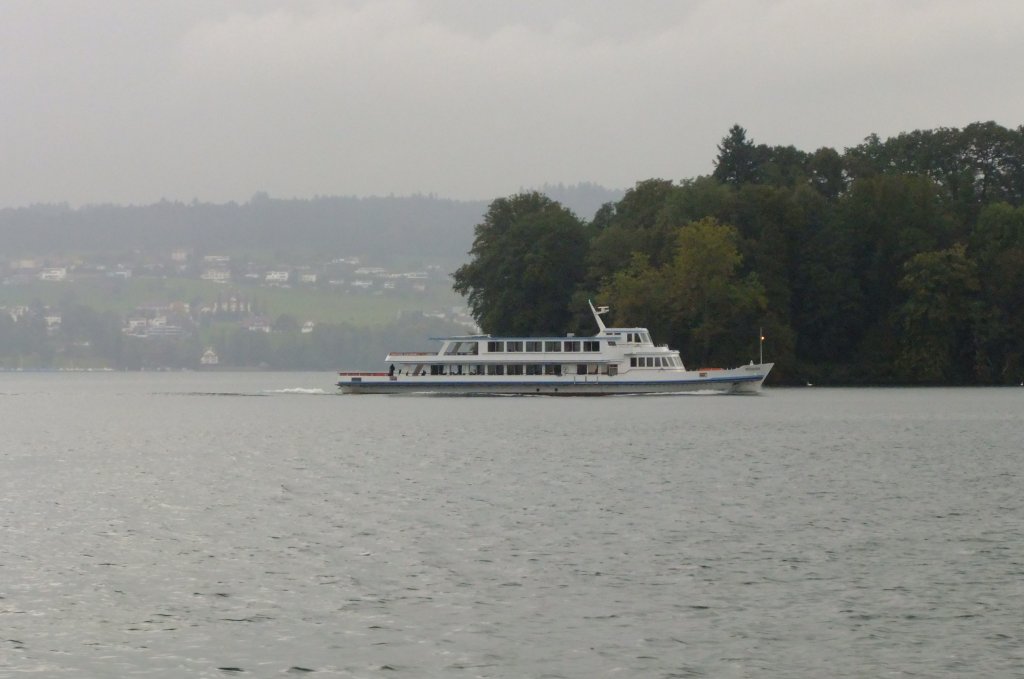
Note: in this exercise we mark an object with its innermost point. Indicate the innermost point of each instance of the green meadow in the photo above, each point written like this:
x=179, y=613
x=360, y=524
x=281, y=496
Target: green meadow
x=304, y=303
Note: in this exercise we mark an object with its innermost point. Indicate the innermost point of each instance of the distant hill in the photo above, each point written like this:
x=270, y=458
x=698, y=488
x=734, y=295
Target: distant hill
x=584, y=199
x=426, y=226
x=381, y=228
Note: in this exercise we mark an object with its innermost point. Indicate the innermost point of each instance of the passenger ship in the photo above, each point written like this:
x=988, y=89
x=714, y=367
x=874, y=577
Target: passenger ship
x=614, y=361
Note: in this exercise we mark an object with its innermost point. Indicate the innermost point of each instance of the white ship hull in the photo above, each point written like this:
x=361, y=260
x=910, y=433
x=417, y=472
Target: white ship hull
x=744, y=380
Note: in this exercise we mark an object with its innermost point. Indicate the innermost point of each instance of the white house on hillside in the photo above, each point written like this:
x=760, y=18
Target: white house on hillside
x=54, y=274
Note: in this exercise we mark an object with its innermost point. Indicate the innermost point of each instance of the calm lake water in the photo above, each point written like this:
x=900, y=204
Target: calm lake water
x=215, y=525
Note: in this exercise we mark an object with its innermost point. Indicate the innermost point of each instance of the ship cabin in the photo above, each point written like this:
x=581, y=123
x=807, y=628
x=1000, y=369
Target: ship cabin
x=614, y=351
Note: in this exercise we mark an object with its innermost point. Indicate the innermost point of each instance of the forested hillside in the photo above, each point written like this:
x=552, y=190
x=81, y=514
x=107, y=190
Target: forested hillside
x=377, y=228
x=373, y=227
x=898, y=261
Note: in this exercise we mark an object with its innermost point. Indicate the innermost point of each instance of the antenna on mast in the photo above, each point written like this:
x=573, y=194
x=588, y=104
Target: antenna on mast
x=597, y=315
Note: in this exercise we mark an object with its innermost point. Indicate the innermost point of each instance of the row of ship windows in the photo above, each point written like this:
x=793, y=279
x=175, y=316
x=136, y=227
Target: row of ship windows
x=553, y=368
x=637, y=337
x=525, y=369
x=513, y=346
x=655, y=362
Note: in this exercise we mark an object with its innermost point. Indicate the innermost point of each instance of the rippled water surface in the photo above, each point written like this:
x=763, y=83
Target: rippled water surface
x=216, y=525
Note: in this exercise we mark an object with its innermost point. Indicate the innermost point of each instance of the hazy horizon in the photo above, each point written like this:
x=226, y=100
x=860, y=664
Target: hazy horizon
x=127, y=103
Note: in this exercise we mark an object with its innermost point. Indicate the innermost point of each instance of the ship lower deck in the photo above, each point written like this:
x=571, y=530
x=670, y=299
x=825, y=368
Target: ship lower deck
x=738, y=381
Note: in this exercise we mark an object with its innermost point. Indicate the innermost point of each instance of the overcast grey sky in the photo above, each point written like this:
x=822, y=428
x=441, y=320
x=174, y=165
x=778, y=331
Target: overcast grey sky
x=131, y=101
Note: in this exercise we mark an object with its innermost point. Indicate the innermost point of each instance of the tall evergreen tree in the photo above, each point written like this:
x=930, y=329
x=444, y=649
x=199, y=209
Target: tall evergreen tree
x=737, y=162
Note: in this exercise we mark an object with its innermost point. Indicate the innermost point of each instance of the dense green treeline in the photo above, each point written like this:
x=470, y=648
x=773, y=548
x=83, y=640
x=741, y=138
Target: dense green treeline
x=894, y=262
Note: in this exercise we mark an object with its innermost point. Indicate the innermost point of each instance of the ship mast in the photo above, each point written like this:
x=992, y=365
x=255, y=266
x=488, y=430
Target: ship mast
x=597, y=315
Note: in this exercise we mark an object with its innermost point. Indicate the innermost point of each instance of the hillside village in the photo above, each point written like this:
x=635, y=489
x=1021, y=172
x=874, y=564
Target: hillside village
x=225, y=291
